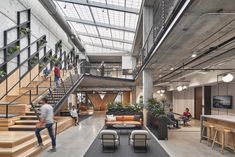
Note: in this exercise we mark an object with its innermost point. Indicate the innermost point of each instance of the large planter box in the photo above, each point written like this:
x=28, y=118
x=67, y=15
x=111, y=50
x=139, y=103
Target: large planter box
x=158, y=126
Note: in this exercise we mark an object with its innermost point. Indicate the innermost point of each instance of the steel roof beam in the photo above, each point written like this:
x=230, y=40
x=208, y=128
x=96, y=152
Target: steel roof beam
x=71, y=19
x=108, y=47
x=106, y=38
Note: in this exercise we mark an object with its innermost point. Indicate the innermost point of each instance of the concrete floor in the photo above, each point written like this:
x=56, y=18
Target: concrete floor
x=75, y=141
x=183, y=142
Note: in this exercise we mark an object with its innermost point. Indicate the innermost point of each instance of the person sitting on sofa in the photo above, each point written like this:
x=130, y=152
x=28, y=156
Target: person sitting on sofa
x=186, y=116
x=171, y=118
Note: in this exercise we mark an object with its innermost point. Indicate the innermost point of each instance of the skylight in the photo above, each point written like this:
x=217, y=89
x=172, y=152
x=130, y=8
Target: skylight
x=108, y=24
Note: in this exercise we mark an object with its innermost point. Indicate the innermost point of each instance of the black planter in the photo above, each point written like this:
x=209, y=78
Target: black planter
x=158, y=126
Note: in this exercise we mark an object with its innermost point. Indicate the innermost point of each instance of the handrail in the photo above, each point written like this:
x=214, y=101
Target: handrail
x=13, y=101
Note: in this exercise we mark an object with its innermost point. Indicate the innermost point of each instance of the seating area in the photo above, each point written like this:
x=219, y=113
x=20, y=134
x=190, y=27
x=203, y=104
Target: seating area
x=117, y=78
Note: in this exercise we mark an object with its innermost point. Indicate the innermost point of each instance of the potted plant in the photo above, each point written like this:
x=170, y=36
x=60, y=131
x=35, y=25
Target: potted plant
x=23, y=31
x=156, y=118
x=41, y=42
x=33, y=61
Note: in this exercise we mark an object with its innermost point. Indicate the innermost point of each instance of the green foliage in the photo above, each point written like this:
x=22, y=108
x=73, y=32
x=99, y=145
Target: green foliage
x=33, y=61
x=23, y=31
x=119, y=107
x=41, y=42
x=157, y=109
x=12, y=50
x=2, y=74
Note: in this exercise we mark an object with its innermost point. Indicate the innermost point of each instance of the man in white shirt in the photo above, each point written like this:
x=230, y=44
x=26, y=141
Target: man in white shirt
x=74, y=114
x=46, y=121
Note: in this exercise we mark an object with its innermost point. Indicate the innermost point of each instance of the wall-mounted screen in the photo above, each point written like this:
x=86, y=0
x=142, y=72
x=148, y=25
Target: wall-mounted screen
x=222, y=102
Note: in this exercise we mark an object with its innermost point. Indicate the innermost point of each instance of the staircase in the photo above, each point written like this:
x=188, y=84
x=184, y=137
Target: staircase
x=56, y=98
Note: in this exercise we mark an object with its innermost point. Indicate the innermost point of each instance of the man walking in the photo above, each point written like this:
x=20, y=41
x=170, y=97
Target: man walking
x=46, y=121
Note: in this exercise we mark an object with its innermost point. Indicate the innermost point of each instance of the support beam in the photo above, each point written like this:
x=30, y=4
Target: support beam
x=102, y=6
x=108, y=47
x=71, y=19
x=102, y=37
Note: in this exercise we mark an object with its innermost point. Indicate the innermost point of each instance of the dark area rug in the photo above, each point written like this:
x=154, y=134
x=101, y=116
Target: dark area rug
x=125, y=150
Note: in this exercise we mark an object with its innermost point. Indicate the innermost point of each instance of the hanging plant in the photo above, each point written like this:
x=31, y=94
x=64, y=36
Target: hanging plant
x=23, y=31
x=59, y=46
x=33, y=61
x=2, y=74
x=41, y=42
x=12, y=50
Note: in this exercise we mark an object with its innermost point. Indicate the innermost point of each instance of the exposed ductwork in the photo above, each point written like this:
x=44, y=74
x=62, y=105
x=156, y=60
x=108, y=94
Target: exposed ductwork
x=51, y=8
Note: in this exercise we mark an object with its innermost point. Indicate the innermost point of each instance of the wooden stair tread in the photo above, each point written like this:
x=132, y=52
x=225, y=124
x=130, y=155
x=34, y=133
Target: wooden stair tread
x=26, y=121
x=22, y=146
x=23, y=126
x=35, y=150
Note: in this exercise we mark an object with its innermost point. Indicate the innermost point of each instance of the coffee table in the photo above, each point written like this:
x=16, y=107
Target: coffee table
x=127, y=127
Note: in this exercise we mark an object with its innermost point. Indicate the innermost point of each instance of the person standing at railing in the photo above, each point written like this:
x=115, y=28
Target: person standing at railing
x=46, y=121
x=57, y=75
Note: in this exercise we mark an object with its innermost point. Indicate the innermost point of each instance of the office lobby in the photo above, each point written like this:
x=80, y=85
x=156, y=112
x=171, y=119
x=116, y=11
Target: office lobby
x=111, y=78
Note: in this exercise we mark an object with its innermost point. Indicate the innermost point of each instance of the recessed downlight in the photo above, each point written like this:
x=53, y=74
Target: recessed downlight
x=172, y=69
x=194, y=55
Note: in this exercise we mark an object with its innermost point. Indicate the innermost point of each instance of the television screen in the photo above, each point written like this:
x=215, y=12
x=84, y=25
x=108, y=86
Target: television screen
x=222, y=102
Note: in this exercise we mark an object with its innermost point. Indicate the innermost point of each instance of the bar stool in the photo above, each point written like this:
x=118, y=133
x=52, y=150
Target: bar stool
x=221, y=130
x=210, y=127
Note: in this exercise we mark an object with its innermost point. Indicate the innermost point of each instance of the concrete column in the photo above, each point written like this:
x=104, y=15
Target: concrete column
x=74, y=99
x=147, y=90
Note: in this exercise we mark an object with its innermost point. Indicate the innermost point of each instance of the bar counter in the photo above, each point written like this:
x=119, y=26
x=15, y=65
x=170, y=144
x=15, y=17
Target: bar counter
x=223, y=120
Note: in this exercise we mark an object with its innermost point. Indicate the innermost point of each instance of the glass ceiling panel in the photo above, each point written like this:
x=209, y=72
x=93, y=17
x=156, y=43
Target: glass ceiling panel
x=133, y=4
x=103, y=23
x=100, y=15
x=117, y=2
x=67, y=9
x=129, y=36
x=116, y=18
x=127, y=46
x=84, y=12
x=78, y=27
x=117, y=34
x=91, y=29
x=131, y=20
x=105, y=32
x=85, y=39
x=107, y=43
x=100, y=1
x=118, y=44
x=96, y=41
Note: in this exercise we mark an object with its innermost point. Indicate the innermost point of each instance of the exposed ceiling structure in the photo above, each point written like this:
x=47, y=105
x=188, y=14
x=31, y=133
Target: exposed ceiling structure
x=104, y=26
x=207, y=29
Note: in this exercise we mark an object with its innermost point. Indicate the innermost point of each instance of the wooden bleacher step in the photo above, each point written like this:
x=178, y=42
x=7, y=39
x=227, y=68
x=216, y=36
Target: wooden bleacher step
x=29, y=117
x=21, y=148
x=22, y=128
x=26, y=122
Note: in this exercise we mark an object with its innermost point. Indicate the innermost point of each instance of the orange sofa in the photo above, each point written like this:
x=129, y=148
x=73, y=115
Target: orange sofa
x=124, y=120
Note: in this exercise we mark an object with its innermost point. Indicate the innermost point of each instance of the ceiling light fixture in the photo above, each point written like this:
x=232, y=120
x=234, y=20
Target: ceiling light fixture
x=162, y=91
x=194, y=55
x=185, y=87
x=172, y=69
x=179, y=88
x=161, y=94
x=227, y=78
x=158, y=92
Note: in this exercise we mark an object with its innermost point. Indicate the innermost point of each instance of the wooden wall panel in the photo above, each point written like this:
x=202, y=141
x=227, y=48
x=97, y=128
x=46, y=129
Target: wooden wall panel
x=3, y=88
x=34, y=72
x=126, y=98
x=25, y=80
x=11, y=81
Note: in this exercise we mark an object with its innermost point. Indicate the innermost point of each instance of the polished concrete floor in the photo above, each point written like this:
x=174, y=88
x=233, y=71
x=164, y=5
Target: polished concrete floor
x=183, y=142
x=75, y=141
